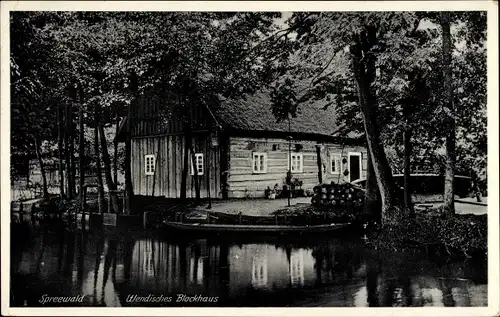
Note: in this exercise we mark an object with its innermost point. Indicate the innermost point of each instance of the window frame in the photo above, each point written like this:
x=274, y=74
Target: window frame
x=333, y=157
x=290, y=161
x=258, y=155
x=196, y=158
x=153, y=164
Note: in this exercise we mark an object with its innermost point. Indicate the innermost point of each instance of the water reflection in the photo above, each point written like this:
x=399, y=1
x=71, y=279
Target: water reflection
x=110, y=267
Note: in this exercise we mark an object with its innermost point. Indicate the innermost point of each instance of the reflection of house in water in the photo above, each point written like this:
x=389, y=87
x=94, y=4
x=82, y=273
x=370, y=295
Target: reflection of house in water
x=266, y=267
x=259, y=272
x=196, y=270
x=297, y=268
x=422, y=291
x=162, y=267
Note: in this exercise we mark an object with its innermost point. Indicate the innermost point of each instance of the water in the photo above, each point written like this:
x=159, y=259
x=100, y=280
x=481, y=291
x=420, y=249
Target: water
x=117, y=269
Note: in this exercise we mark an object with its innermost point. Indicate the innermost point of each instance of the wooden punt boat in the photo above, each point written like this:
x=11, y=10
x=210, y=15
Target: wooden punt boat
x=236, y=228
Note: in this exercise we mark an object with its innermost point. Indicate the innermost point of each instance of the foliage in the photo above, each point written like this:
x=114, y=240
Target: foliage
x=461, y=235
x=407, y=85
x=102, y=55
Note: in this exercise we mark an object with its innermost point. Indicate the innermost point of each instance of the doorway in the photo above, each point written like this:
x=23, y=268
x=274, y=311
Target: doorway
x=354, y=163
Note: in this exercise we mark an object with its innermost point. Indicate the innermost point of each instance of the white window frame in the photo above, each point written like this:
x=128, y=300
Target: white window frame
x=153, y=163
x=339, y=168
x=257, y=155
x=197, y=157
x=360, y=164
x=290, y=160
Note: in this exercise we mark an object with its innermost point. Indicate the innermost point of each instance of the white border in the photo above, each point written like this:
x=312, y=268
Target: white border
x=493, y=142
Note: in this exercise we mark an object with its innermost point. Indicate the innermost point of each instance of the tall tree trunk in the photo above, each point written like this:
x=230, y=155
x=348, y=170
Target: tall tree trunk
x=195, y=176
x=185, y=158
x=407, y=169
x=107, y=171
x=207, y=172
x=392, y=213
x=372, y=195
x=129, y=190
x=185, y=167
x=319, y=163
x=100, y=183
x=449, y=175
x=71, y=135
x=115, y=153
x=72, y=160
x=81, y=146
x=60, y=148
x=42, y=166
x=67, y=138
x=193, y=159
x=157, y=158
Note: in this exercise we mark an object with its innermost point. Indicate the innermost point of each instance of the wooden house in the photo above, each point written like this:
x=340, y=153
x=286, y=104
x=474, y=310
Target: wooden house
x=239, y=149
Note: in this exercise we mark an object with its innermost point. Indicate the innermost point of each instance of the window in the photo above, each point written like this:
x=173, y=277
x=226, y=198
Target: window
x=335, y=164
x=297, y=163
x=149, y=164
x=198, y=162
x=259, y=162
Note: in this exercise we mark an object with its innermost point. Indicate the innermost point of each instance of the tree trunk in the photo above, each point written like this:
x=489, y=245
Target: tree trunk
x=72, y=161
x=100, y=183
x=319, y=164
x=449, y=175
x=195, y=176
x=72, y=132
x=42, y=166
x=129, y=190
x=81, y=146
x=392, y=212
x=107, y=171
x=60, y=148
x=67, y=138
x=407, y=169
x=207, y=172
x=157, y=158
x=185, y=163
x=185, y=158
x=115, y=153
x=372, y=195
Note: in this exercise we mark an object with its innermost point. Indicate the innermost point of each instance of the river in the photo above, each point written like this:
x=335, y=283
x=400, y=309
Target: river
x=139, y=268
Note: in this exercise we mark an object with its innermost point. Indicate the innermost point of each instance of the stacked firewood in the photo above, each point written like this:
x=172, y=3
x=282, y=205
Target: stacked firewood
x=342, y=196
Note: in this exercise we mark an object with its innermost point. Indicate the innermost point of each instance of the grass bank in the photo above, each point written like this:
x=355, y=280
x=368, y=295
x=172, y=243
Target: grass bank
x=461, y=236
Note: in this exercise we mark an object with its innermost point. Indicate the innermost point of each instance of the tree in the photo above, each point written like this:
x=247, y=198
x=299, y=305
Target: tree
x=395, y=73
x=202, y=57
x=31, y=102
x=449, y=176
x=364, y=40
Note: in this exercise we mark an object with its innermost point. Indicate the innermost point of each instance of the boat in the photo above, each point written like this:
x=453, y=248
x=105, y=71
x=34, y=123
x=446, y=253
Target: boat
x=247, y=228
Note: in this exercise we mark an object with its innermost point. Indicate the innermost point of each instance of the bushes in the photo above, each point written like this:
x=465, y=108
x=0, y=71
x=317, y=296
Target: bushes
x=459, y=236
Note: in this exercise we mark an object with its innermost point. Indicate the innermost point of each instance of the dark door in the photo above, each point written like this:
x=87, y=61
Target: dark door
x=354, y=167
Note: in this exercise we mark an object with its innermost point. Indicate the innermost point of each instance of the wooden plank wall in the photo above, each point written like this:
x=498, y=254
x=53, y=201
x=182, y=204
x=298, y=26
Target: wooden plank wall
x=169, y=151
x=161, y=115
x=244, y=183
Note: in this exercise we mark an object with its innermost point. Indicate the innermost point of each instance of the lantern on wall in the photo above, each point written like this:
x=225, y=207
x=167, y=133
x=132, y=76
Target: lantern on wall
x=214, y=136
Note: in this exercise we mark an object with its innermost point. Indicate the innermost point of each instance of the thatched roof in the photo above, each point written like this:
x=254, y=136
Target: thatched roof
x=254, y=113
